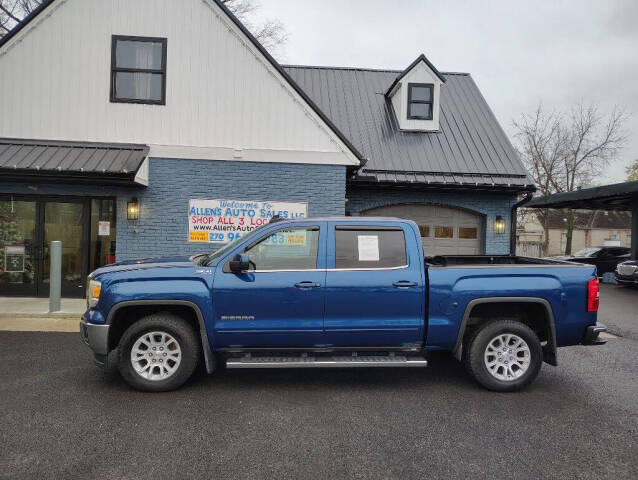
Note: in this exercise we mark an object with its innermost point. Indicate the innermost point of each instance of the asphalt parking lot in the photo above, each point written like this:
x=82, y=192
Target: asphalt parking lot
x=619, y=310
x=62, y=417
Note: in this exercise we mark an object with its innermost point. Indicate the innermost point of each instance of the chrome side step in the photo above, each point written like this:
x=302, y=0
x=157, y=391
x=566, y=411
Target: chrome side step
x=249, y=361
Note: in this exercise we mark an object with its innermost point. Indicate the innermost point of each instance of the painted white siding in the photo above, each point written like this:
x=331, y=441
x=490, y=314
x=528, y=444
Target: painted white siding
x=421, y=73
x=221, y=94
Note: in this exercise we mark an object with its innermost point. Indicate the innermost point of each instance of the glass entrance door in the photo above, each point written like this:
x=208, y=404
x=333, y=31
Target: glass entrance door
x=18, y=246
x=28, y=225
x=65, y=221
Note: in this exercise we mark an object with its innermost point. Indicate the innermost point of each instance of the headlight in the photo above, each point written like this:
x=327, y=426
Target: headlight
x=93, y=288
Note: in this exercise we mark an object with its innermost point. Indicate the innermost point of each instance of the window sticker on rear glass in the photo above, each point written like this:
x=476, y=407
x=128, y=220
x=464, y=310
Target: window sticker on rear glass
x=368, y=248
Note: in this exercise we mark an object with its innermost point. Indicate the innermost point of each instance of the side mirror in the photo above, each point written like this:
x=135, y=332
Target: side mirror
x=239, y=263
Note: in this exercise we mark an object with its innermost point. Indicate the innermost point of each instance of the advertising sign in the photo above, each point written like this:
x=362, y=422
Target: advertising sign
x=14, y=259
x=104, y=229
x=222, y=221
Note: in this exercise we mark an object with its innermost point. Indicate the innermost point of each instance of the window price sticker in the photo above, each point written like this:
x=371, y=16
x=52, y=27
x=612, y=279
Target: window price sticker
x=368, y=248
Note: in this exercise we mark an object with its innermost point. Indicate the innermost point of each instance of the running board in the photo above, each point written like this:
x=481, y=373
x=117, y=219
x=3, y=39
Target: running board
x=323, y=362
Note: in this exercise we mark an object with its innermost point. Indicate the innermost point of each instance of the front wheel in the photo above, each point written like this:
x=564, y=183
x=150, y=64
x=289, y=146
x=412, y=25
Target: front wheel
x=503, y=355
x=158, y=353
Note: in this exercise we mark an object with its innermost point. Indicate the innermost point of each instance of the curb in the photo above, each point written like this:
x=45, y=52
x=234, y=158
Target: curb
x=11, y=323
x=56, y=316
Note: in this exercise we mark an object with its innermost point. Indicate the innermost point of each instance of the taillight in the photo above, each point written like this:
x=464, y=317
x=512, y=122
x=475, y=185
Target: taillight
x=593, y=293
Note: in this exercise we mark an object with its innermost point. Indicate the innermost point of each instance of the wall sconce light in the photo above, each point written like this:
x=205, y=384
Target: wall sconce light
x=499, y=225
x=133, y=209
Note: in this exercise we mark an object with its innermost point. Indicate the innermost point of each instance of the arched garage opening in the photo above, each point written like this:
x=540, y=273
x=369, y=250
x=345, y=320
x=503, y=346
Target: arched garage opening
x=445, y=230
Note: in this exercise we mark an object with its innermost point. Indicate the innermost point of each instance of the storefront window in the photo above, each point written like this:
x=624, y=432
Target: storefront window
x=102, y=247
x=17, y=239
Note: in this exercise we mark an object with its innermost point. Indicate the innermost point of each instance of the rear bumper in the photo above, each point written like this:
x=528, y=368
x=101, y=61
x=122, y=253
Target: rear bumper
x=96, y=337
x=591, y=335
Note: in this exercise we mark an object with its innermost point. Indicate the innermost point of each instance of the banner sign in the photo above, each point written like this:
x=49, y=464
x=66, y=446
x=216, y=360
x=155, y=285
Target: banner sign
x=222, y=221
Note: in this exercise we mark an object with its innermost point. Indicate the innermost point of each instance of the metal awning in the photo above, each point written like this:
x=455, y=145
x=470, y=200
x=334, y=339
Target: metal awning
x=80, y=162
x=619, y=196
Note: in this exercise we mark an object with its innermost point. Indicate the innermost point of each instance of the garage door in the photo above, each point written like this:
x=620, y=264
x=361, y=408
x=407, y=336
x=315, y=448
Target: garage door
x=444, y=230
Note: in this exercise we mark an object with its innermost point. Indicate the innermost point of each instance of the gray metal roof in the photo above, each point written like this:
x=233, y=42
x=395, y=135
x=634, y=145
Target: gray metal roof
x=79, y=160
x=470, y=148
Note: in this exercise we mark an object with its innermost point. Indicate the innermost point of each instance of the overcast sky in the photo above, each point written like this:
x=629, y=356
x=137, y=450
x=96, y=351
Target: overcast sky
x=518, y=52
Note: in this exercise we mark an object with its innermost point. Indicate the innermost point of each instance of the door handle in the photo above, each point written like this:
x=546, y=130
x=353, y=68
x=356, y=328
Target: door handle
x=405, y=284
x=307, y=285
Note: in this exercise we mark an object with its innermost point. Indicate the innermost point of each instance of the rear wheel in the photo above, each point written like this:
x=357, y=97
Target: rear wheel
x=503, y=355
x=158, y=353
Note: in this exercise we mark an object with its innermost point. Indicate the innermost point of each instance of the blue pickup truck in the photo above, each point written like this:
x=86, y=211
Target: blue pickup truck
x=337, y=292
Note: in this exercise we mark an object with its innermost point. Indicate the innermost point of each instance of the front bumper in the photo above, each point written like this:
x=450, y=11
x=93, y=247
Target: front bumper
x=96, y=337
x=627, y=279
x=591, y=335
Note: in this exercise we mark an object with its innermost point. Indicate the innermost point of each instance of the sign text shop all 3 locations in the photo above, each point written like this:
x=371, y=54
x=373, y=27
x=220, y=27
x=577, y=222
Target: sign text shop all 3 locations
x=222, y=221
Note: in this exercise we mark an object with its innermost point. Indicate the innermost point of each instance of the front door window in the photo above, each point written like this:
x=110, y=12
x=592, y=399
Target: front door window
x=294, y=249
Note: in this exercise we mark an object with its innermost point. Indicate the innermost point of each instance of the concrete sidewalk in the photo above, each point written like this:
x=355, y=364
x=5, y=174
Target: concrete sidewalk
x=32, y=314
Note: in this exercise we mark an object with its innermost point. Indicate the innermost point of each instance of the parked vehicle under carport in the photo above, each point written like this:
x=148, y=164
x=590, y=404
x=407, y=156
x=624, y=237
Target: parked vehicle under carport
x=627, y=273
x=604, y=259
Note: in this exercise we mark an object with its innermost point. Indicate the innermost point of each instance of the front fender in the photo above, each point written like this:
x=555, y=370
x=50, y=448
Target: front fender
x=191, y=293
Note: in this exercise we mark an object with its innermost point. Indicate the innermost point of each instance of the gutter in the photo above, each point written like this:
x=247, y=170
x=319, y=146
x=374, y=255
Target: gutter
x=527, y=198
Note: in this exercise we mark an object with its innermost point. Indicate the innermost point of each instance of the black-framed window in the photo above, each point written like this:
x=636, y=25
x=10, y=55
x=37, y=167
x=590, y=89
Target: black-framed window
x=420, y=101
x=138, y=70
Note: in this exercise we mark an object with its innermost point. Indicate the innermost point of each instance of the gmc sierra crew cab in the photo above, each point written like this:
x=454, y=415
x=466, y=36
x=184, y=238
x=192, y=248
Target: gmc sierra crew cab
x=337, y=292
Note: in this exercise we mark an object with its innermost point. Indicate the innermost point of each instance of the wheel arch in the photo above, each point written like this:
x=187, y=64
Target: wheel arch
x=549, y=350
x=118, y=321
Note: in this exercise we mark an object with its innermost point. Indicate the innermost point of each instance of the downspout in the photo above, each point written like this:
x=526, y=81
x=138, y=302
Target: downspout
x=527, y=198
x=634, y=227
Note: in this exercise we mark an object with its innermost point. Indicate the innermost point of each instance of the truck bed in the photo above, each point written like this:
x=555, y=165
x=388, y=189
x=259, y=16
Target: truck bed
x=465, y=260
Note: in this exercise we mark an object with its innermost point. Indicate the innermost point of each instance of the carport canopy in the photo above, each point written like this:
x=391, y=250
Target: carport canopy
x=619, y=196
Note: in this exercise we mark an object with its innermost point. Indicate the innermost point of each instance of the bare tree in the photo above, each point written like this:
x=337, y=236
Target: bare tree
x=541, y=145
x=592, y=143
x=270, y=33
x=632, y=171
x=566, y=151
x=13, y=11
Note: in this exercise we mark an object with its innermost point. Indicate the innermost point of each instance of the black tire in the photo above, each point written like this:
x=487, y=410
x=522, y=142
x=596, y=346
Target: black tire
x=477, y=343
x=181, y=331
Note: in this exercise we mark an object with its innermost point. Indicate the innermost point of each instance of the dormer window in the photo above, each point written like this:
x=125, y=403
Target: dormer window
x=416, y=97
x=420, y=101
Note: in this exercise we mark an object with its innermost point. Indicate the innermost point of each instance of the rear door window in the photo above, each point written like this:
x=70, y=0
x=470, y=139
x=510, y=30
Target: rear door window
x=369, y=248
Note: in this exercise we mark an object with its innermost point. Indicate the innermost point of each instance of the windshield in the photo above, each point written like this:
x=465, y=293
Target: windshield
x=587, y=252
x=228, y=247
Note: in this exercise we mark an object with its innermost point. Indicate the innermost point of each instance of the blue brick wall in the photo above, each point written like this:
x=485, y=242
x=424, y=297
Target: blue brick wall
x=162, y=228
x=487, y=204
x=163, y=225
